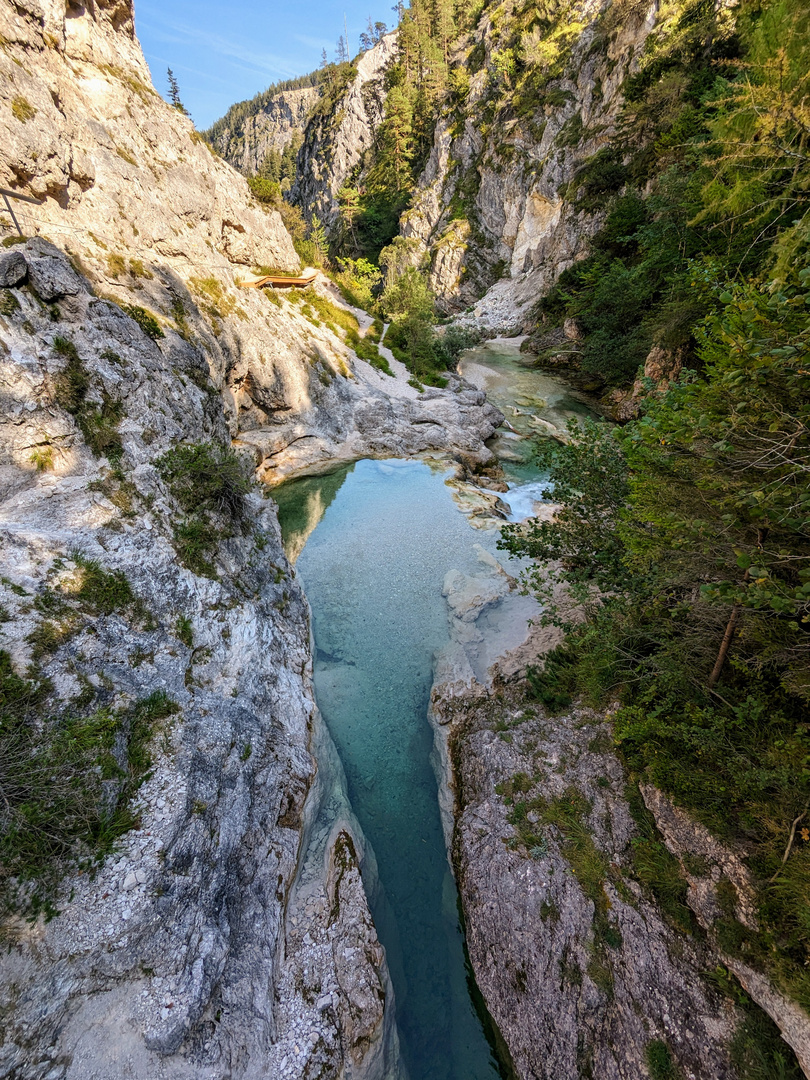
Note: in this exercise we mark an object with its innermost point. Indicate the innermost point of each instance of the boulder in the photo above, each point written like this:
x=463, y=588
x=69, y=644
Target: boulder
x=13, y=269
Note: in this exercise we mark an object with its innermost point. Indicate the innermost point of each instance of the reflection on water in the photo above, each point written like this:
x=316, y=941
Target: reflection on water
x=302, y=504
x=379, y=540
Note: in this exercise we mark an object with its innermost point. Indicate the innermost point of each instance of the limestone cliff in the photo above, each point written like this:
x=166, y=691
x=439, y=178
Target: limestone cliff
x=149, y=967
x=340, y=133
x=245, y=143
x=592, y=907
x=495, y=211
x=156, y=221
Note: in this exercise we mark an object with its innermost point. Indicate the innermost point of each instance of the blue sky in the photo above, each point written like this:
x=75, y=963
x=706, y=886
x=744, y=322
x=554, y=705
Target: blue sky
x=226, y=52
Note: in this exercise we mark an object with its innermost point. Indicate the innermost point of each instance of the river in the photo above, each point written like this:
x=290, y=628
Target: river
x=372, y=543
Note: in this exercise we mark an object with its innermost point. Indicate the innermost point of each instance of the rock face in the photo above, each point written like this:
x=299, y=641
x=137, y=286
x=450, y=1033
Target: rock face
x=169, y=959
x=271, y=128
x=583, y=969
x=578, y=967
x=498, y=196
x=298, y=419
x=156, y=221
x=199, y=947
x=337, y=137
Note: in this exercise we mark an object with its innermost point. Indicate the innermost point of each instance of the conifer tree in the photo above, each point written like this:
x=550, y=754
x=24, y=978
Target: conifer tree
x=392, y=169
x=174, y=92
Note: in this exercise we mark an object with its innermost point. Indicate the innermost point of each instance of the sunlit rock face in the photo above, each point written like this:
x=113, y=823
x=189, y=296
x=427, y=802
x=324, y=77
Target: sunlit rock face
x=154, y=219
x=336, y=140
x=495, y=210
x=174, y=957
x=272, y=127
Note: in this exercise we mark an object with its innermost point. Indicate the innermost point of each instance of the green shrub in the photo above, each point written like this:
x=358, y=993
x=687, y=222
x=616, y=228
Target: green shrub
x=68, y=780
x=116, y=265
x=209, y=484
x=331, y=314
x=100, y=591
x=453, y=342
x=145, y=319
x=97, y=423
x=8, y=302
x=368, y=351
x=265, y=191
x=204, y=476
x=184, y=628
x=358, y=280
x=409, y=303
x=659, y=1061
x=22, y=109
x=375, y=331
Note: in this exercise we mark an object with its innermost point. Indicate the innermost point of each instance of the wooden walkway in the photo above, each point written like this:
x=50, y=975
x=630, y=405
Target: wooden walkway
x=274, y=281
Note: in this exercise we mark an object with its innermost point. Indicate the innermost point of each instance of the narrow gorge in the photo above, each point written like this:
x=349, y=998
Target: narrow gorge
x=403, y=673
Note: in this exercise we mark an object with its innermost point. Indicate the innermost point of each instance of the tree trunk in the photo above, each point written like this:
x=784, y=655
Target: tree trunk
x=731, y=626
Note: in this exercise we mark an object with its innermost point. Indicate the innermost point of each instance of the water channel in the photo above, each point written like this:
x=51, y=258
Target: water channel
x=373, y=543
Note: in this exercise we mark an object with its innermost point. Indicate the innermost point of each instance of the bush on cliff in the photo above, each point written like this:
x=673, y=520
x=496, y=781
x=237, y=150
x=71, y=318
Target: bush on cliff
x=686, y=535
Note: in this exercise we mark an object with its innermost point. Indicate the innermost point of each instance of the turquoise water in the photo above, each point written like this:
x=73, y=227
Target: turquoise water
x=374, y=543
x=534, y=404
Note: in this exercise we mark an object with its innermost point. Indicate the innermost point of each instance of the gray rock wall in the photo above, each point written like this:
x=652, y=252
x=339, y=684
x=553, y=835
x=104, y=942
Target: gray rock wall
x=492, y=213
x=271, y=128
x=192, y=951
x=168, y=961
x=586, y=970
x=335, y=141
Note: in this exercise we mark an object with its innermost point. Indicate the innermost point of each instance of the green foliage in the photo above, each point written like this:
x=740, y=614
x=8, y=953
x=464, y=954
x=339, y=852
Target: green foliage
x=22, y=109
x=98, y=422
x=368, y=351
x=708, y=174
x=331, y=314
x=408, y=303
x=369, y=219
x=660, y=1063
x=266, y=191
x=100, y=591
x=209, y=484
x=184, y=629
x=204, y=476
x=358, y=279
x=453, y=342
x=758, y=168
x=8, y=302
x=758, y=1051
x=67, y=780
x=145, y=319
x=657, y=868
x=688, y=546
x=581, y=545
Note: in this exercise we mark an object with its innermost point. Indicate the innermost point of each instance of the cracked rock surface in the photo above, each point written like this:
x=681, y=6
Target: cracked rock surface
x=173, y=958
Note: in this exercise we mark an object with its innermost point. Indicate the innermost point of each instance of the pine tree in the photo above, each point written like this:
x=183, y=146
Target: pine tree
x=174, y=92
x=392, y=169
x=270, y=168
x=444, y=26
